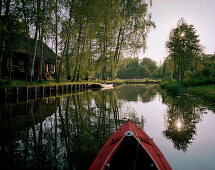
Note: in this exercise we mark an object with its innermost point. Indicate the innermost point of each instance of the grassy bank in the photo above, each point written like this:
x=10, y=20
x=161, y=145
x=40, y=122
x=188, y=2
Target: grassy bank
x=173, y=87
x=145, y=80
x=203, y=87
x=205, y=91
x=21, y=83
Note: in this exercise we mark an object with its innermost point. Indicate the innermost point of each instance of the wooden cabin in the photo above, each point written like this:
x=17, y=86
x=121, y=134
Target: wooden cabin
x=19, y=52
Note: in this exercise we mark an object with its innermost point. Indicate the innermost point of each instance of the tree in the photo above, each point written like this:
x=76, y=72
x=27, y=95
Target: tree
x=3, y=27
x=184, y=48
x=148, y=67
x=90, y=36
x=133, y=24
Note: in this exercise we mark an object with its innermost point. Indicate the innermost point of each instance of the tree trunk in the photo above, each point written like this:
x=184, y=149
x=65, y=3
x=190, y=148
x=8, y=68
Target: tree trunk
x=77, y=54
x=89, y=62
x=41, y=60
x=33, y=60
x=67, y=61
x=36, y=36
x=56, y=42
x=66, y=46
x=61, y=61
x=113, y=70
x=3, y=20
x=80, y=63
x=0, y=7
x=67, y=50
x=11, y=53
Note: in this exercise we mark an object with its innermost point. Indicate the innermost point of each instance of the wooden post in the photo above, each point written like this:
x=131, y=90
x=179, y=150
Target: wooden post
x=35, y=92
x=50, y=91
x=55, y=90
x=74, y=88
x=70, y=89
x=66, y=89
x=17, y=95
x=42, y=91
x=26, y=93
x=61, y=89
x=77, y=87
x=5, y=95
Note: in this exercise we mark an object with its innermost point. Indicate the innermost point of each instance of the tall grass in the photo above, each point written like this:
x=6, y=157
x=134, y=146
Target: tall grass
x=206, y=91
x=197, y=81
x=202, y=86
x=173, y=87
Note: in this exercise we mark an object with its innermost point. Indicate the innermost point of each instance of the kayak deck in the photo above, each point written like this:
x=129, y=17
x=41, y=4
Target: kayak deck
x=129, y=148
x=130, y=155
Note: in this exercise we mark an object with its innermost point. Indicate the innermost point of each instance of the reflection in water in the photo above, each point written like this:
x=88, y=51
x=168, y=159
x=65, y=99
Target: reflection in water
x=59, y=133
x=183, y=114
x=135, y=92
x=179, y=124
x=67, y=132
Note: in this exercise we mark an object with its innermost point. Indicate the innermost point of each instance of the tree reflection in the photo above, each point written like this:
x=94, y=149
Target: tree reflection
x=147, y=92
x=183, y=114
x=60, y=133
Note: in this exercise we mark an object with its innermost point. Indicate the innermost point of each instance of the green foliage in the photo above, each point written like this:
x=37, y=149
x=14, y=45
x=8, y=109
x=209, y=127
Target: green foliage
x=133, y=68
x=201, y=86
x=205, y=91
x=184, y=50
x=198, y=81
x=90, y=36
x=173, y=87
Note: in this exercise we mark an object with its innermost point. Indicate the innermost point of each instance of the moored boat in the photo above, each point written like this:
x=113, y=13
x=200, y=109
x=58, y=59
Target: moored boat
x=130, y=148
x=106, y=86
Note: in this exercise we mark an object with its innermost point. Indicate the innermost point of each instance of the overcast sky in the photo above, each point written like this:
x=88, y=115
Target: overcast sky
x=166, y=13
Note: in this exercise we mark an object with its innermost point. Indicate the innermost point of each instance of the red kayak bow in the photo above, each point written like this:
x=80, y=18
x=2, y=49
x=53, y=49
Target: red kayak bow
x=130, y=148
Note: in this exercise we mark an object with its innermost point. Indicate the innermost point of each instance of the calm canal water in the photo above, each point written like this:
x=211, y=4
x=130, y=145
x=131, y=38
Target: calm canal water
x=67, y=132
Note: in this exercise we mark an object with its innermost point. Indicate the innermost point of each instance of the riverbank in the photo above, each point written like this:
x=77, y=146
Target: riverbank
x=19, y=83
x=16, y=91
x=205, y=91
x=204, y=88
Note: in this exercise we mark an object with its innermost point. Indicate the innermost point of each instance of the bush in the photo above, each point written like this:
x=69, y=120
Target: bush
x=181, y=87
x=173, y=87
x=198, y=81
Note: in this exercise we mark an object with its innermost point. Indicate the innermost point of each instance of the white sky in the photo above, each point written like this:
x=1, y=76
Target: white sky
x=166, y=13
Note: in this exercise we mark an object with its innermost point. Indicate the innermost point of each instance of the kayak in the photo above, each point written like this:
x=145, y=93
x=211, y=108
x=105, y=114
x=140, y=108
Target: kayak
x=130, y=148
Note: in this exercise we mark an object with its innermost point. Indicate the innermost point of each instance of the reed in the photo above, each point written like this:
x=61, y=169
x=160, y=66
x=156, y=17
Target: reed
x=205, y=91
x=202, y=86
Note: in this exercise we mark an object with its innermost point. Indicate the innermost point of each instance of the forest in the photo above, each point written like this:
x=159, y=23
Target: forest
x=89, y=37
x=98, y=39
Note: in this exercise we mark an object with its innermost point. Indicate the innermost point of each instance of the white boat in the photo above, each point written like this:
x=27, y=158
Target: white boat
x=107, y=86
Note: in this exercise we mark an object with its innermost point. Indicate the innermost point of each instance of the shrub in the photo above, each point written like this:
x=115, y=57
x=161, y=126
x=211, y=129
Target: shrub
x=173, y=87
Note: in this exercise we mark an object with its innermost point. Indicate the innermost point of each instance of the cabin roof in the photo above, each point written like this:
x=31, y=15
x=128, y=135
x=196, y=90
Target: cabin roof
x=22, y=44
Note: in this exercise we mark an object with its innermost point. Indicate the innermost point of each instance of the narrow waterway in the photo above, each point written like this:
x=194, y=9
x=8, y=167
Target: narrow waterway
x=67, y=132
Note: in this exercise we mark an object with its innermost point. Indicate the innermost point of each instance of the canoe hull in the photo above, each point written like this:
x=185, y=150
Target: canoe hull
x=129, y=148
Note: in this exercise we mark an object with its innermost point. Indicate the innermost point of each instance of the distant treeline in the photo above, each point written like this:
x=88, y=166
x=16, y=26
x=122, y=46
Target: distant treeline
x=135, y=68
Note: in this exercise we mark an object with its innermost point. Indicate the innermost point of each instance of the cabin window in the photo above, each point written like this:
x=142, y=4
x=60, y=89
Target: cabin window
x=21, y=66
x=52, y=68
x=47, y=68
x=9, y=65
x=44, y=67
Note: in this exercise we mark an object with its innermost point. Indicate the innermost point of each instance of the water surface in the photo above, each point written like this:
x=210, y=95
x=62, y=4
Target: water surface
x=67, y=132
